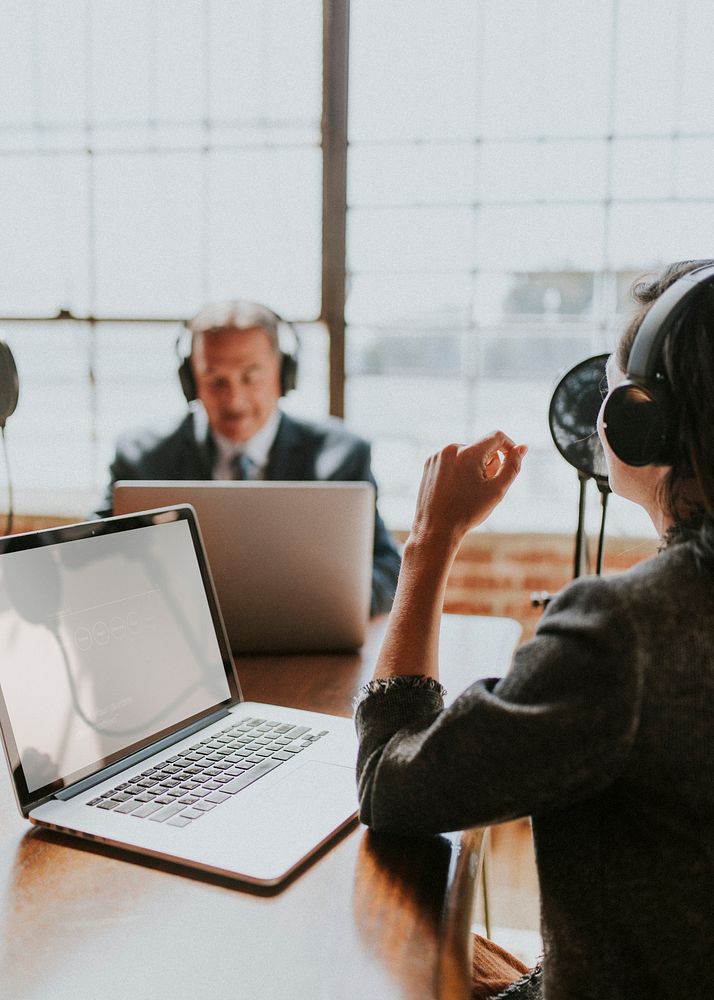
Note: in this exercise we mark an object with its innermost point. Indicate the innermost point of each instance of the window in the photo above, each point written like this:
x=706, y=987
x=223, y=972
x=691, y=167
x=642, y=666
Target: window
x=153, y=157
x=511, y=167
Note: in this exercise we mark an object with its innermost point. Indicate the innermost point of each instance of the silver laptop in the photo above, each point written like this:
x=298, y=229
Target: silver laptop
x=121, y=712
x=291, y=561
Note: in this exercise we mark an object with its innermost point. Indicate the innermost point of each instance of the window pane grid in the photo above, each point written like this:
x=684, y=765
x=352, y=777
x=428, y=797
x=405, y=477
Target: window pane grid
x=573, y=157
x=511, y=168
x=143, y=151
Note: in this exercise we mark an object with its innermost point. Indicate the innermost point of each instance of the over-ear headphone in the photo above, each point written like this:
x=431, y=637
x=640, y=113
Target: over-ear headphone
x=288, y=359
x=637, y=418
x=9, y=385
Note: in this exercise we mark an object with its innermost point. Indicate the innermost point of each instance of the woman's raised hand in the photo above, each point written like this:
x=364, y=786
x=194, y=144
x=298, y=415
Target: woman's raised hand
x=461, y=485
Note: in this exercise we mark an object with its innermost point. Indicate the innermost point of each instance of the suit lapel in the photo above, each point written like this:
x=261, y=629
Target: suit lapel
x=290, y=456
x=199, y=451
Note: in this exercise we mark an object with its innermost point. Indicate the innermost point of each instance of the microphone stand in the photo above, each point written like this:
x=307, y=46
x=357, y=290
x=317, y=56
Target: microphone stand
x=10, y=501
x=605, y=491
x=582, y=552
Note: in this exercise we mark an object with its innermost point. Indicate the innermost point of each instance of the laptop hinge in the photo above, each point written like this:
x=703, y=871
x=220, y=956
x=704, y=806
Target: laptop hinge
x=121, y=765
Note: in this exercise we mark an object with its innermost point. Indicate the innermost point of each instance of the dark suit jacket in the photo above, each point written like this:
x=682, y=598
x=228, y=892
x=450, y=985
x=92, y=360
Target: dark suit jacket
x=302, y=451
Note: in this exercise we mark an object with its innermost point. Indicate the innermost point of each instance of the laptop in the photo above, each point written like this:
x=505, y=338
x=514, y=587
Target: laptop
x=292, y=561
x=121, y=712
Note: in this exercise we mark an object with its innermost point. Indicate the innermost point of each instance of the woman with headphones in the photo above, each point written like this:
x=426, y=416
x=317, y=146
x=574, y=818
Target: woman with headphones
x=602, y=729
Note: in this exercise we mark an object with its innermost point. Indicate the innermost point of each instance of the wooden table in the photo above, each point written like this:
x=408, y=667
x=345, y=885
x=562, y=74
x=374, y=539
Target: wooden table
x=372, y=917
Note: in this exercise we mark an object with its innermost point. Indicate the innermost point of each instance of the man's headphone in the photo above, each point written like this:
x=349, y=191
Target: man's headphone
x=9, y=386
x=255, y=315
x=637, y=418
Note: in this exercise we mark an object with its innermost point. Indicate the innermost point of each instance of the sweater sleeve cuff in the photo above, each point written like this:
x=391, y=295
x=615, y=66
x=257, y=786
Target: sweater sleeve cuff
x=385, y=685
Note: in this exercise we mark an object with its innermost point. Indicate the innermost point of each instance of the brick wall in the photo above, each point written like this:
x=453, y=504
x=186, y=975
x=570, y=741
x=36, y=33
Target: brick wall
x=496, y=574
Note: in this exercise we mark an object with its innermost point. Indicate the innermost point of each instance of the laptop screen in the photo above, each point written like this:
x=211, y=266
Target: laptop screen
x=107, y=643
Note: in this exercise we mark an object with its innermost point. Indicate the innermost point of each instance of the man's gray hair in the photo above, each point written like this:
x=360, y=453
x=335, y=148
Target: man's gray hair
x=235, y=314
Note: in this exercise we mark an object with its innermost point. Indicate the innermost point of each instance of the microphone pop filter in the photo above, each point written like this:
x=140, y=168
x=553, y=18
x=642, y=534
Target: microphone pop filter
x=572, y=416
x=9, y=387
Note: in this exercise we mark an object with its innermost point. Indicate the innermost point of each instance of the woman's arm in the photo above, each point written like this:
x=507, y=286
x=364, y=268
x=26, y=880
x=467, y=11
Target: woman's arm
x=460, y=487
x=557, y=727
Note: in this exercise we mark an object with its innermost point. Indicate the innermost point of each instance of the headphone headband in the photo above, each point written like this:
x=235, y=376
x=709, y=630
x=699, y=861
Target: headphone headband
x=646, y=351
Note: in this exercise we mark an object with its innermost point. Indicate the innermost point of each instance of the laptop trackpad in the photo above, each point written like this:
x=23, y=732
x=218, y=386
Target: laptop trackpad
x=299, y=812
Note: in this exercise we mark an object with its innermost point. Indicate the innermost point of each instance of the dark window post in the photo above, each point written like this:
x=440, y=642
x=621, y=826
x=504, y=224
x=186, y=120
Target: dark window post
x=335, y=55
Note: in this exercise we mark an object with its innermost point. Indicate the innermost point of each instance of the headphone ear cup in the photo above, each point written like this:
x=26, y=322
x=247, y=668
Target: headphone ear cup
x=188, y=383
x=635, y=424
x=9, y=384
x=288, y=372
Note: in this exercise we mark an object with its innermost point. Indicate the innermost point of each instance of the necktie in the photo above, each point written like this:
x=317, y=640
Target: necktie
x=242, y=467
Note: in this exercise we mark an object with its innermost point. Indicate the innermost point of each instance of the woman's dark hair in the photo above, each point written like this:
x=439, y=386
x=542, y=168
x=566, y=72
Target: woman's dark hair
x=688, y=356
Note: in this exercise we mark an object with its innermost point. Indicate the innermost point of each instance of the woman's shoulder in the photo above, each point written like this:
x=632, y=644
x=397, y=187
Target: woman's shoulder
x=674, y=568
x=664, y=588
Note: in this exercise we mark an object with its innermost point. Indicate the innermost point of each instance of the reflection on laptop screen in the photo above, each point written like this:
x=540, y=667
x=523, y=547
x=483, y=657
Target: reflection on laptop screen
x=106, y=641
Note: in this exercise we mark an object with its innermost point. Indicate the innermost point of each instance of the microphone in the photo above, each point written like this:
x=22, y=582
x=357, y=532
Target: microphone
x=9, y=391
x=572, y=417
x=9, y=385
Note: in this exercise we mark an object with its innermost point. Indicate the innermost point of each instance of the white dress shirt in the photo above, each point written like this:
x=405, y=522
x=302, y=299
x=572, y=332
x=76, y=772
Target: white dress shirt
x=256, y=450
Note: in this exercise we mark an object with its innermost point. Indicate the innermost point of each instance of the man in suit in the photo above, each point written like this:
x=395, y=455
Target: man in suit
x=233, y=378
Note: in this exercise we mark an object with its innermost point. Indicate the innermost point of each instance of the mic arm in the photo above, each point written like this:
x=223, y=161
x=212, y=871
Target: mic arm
x=541, y=599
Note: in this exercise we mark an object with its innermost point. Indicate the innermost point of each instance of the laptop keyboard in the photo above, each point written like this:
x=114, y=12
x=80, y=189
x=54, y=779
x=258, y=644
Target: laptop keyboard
x=186, y=786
